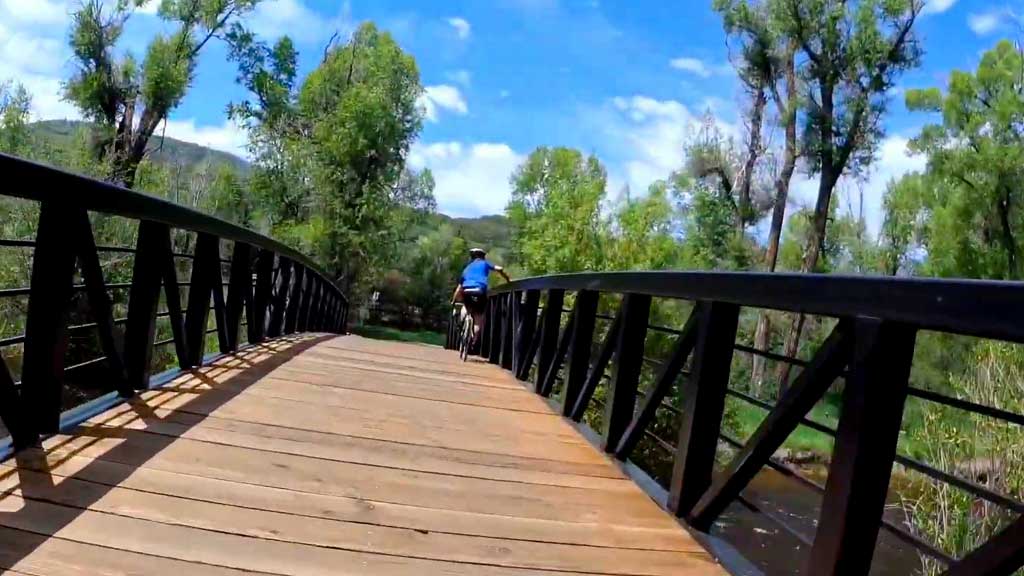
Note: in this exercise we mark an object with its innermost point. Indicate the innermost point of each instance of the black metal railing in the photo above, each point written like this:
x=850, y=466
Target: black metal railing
x=279, y=291
x=870, y=349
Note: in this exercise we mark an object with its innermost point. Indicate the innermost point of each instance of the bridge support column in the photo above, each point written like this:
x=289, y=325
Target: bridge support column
x=550, y=322
x=579, y=348
x=629, y=359
x=865, y=445
x=704, y=403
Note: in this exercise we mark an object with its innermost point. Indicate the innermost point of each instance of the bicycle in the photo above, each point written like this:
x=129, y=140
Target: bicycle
x=467, y=339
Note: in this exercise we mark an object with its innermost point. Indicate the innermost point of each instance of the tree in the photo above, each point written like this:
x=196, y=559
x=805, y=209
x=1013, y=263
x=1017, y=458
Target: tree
x=555, y=212
x=644, y=232
x=852, y=52
x=976, y=167
x=900, y=225
x=768, y=62
x=15, y=109
x=330, y=152
x=127, y=99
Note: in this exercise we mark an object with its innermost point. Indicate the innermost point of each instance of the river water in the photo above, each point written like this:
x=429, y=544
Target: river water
x=776, y=551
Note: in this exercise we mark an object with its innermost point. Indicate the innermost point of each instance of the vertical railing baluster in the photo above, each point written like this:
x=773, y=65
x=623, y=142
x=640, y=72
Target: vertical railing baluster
x=84, y=245
x=46, y=337
x=548, y=384
x=261, y=295
x=524, y=335
x=294, y=299
x=205, y=279
x=864, y=448
x=550, y=323
x=497, y=316
x=280, y=297
x=508, y=325
x=239, y=279
x=584, y=313
x=703, y=405
x=307, y=299
x=629, y=358
x=13, y=413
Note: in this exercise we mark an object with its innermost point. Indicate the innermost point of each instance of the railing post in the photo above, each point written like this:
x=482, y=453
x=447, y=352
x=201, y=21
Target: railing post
x=307, y=301
x=261, y=295
x=508, y=328
x=703, y=405
x=239, y=291
x=497, y=316
x=864, y=448
x=525, y=334
x=294, y=299
x=99, y=299
x=629, y=358
x=46, y=336
x=280, y=297
x=579, y=348
x=206, y=278
x=550, y=322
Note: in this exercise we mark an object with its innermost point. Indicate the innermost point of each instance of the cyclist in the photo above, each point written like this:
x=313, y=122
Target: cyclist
x=472, y=288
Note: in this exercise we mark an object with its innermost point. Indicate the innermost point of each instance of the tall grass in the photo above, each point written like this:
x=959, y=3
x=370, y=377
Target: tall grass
x=979, y=448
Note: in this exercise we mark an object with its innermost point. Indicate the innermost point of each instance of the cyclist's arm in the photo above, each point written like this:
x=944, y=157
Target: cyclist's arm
x=455, y=295
x=501, y=271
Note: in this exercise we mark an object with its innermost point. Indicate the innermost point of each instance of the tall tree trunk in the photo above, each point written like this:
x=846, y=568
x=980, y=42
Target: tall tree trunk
x=787, y=112
x=758, y=101
x=1007, y=238
x=816, y=238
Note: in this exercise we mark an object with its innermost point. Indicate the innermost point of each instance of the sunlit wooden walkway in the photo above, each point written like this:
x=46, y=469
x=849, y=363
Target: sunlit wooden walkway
x=333, y=455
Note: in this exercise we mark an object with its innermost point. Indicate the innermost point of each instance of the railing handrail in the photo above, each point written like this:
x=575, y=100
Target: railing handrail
x=983, y=308
x=871, y=349
x=34, y=181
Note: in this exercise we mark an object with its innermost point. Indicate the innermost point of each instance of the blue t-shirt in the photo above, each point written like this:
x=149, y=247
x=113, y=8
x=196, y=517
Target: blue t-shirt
x=475, y=275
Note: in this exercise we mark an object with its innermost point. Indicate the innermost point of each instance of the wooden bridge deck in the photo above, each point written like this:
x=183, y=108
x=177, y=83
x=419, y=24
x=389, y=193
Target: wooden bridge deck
x=333, y=456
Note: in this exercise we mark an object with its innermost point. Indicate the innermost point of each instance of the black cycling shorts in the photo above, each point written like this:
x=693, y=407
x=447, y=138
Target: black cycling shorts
x=475, y=301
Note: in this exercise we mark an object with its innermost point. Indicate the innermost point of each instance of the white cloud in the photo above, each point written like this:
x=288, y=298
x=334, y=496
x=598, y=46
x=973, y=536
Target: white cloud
x=275, y=18
x=35, y=11
x=893, y=161
x=460, y=77
x=228, y=137
x=151, y=7
x=441, y=97
x=937, y=6
x=987, y=22
x=645, y=138
x=700, y=67
x=470, y=179
x=461, y=26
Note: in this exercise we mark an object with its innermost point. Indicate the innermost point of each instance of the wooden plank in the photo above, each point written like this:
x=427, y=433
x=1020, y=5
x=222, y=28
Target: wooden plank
x=370, y=512
x=279, y=463
x=224, y=549
x=367, y=451
x=63, y=500
x=41, y=555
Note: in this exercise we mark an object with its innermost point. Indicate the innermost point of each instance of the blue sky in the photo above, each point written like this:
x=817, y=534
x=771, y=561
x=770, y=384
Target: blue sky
x=626, y=80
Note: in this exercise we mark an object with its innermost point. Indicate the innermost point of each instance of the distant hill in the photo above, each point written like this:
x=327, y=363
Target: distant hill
x=61, y=133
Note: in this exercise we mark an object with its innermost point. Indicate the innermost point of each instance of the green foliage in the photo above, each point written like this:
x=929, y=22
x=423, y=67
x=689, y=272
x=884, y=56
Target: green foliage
x=555, y=212
x=330, y=154
x=970, y=210
x=128, y=101
x=984, y=450
x=15, y=106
